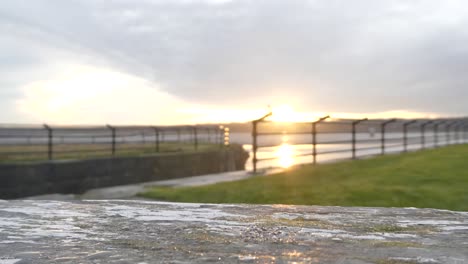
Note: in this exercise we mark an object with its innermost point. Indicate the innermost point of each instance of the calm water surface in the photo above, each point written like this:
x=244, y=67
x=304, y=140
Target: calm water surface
x=287, y=150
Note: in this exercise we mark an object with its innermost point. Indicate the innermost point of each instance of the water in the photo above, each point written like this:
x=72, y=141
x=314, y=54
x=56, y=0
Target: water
x=287, y=150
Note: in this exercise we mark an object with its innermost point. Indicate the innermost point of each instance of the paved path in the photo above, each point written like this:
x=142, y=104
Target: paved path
x=131, y=190
x=116, y=231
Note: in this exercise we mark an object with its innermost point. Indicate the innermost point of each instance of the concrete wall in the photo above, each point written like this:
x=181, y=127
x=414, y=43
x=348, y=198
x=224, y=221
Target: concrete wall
x=78, y=176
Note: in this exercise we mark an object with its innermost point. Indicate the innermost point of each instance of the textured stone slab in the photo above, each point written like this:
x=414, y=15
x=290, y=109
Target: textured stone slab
x=152, y=232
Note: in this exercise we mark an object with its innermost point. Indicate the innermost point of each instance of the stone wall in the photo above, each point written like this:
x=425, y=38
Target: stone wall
x=77, y=176
x=117, y=232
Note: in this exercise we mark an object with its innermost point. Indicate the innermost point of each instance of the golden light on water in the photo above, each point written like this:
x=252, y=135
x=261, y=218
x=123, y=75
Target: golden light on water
x=285, y=155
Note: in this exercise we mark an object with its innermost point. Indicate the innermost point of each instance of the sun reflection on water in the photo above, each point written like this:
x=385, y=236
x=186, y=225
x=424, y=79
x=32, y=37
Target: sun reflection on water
x=285, y=155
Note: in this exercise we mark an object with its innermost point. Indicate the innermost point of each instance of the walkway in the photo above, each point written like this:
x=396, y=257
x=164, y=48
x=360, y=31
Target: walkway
x=130, y=191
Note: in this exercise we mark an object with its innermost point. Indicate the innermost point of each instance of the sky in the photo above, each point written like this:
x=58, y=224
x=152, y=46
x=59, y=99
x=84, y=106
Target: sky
x=197, y=61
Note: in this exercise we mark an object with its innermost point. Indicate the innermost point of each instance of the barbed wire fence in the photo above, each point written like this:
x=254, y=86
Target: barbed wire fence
x=352, y=138
x=52, y=142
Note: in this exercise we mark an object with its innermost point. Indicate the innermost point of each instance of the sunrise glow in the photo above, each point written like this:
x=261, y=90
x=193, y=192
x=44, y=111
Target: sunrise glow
x=287, y=113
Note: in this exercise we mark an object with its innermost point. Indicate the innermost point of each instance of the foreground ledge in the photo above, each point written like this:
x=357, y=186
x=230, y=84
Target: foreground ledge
x=154, y=232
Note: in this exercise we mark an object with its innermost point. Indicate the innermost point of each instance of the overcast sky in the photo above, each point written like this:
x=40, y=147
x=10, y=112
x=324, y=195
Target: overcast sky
x=164, y=62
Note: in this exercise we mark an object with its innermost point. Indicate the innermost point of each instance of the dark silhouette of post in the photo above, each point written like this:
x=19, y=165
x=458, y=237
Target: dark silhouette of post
x=220, y=135
x=50, y=143
x=178, y=135
x=457, y=133
x=423, y=130
x=464, y=132
x=254, y=139
x=195, y=137
x=461, y=131
x=382, y=130
x=436, y=132
x=447, y=130
x=447, y=133
x=405, y=134
x=189, y=133
x=353, y=140
x=113, y=140
x=156, y=139
x=314, y=137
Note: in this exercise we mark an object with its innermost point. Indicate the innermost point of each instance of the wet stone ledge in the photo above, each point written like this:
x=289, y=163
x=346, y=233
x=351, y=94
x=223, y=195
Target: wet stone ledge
x=153, y=232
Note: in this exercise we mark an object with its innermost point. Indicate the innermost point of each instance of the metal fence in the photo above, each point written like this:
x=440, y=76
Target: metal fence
x=39, y=142
x=345, y=138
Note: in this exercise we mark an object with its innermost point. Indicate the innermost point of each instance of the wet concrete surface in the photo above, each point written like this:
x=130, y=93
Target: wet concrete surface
x=131, y=191
x=117, y=231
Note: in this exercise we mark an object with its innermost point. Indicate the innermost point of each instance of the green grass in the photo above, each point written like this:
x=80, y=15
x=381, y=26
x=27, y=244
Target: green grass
x=436, y=178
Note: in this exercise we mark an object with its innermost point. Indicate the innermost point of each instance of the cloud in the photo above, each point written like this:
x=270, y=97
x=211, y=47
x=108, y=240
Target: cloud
x=98, y=96
x=102, y=96
x=340, y=56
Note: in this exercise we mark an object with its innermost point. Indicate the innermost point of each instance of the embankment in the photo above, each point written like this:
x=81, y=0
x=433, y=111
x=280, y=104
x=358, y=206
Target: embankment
x=77, y=176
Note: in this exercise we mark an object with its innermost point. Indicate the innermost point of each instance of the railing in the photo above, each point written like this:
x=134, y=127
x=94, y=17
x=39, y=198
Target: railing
x=46, y=142
x=353, y=138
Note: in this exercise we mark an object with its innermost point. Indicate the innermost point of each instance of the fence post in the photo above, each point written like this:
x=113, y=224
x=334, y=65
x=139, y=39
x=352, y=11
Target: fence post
x=178, y=135
x=254, y=146
x=461, y=129
x=212, y=131
x=113, y=133
x=449, y=138
x=447, y=133
x=254, y=140
x=353, y=140
x=423, y=128
x=382, y=130
x=405, y=134
x=220, y=135
x=436, y=133
x=314, y=138
x=195, y=137
x=156, y=139
x=50, y=143
x=464, y=133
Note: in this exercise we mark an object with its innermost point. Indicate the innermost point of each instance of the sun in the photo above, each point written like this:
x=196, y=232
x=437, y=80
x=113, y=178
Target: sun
x=286, y=113
x=282, y=113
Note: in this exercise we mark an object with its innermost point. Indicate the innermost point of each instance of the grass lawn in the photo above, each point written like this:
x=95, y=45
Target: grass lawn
x=435, y=178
